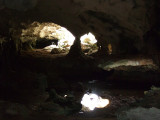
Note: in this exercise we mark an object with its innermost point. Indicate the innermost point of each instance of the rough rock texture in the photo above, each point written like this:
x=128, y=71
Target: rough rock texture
x=146, y=108
x=123, y=23
x=140, y=114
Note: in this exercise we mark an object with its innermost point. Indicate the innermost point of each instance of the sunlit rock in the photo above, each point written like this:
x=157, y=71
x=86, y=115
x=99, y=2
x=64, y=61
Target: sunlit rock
x=50, y=47
x=126, y=62
x=88, y=43
x=49, y=31
x=88, y=39
x=55, y=51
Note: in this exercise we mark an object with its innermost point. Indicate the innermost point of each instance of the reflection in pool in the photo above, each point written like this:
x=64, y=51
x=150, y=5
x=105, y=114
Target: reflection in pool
x=91, y=101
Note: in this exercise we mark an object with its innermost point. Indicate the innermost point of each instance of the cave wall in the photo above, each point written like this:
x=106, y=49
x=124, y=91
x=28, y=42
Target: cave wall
x=122, y=23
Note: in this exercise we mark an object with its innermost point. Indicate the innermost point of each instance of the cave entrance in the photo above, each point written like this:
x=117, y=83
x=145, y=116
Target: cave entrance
x=54, y=38
x=88, y=43
x=47, y=36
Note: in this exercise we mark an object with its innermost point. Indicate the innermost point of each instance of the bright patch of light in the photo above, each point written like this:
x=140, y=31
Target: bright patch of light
x=50, y=47
x=65, y=43
x=50, y=31
x=88, y=39
x=92, y=101
x=65, y=38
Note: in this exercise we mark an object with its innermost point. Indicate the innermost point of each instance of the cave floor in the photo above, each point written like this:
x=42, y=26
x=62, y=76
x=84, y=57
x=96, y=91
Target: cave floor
x=127, y=68
x=118, y=98
x=123, y=87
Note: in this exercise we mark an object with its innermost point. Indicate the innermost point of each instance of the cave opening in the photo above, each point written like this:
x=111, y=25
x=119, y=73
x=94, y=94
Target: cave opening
x=79, y=59
x=89, y=43
x=47, y=36
x=55, y=39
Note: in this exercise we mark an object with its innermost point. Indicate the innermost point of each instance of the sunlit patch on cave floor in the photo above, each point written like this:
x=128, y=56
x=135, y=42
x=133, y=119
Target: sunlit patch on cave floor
x=127, y=62
x=91, y=101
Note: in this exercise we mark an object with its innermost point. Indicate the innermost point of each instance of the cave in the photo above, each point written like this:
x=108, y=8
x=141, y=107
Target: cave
x=79, y=59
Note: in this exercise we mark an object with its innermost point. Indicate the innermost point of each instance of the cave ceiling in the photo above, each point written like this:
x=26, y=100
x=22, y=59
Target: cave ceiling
x=110, y=20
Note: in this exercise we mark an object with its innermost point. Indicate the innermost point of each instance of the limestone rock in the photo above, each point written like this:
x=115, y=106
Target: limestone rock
x=55, y=51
